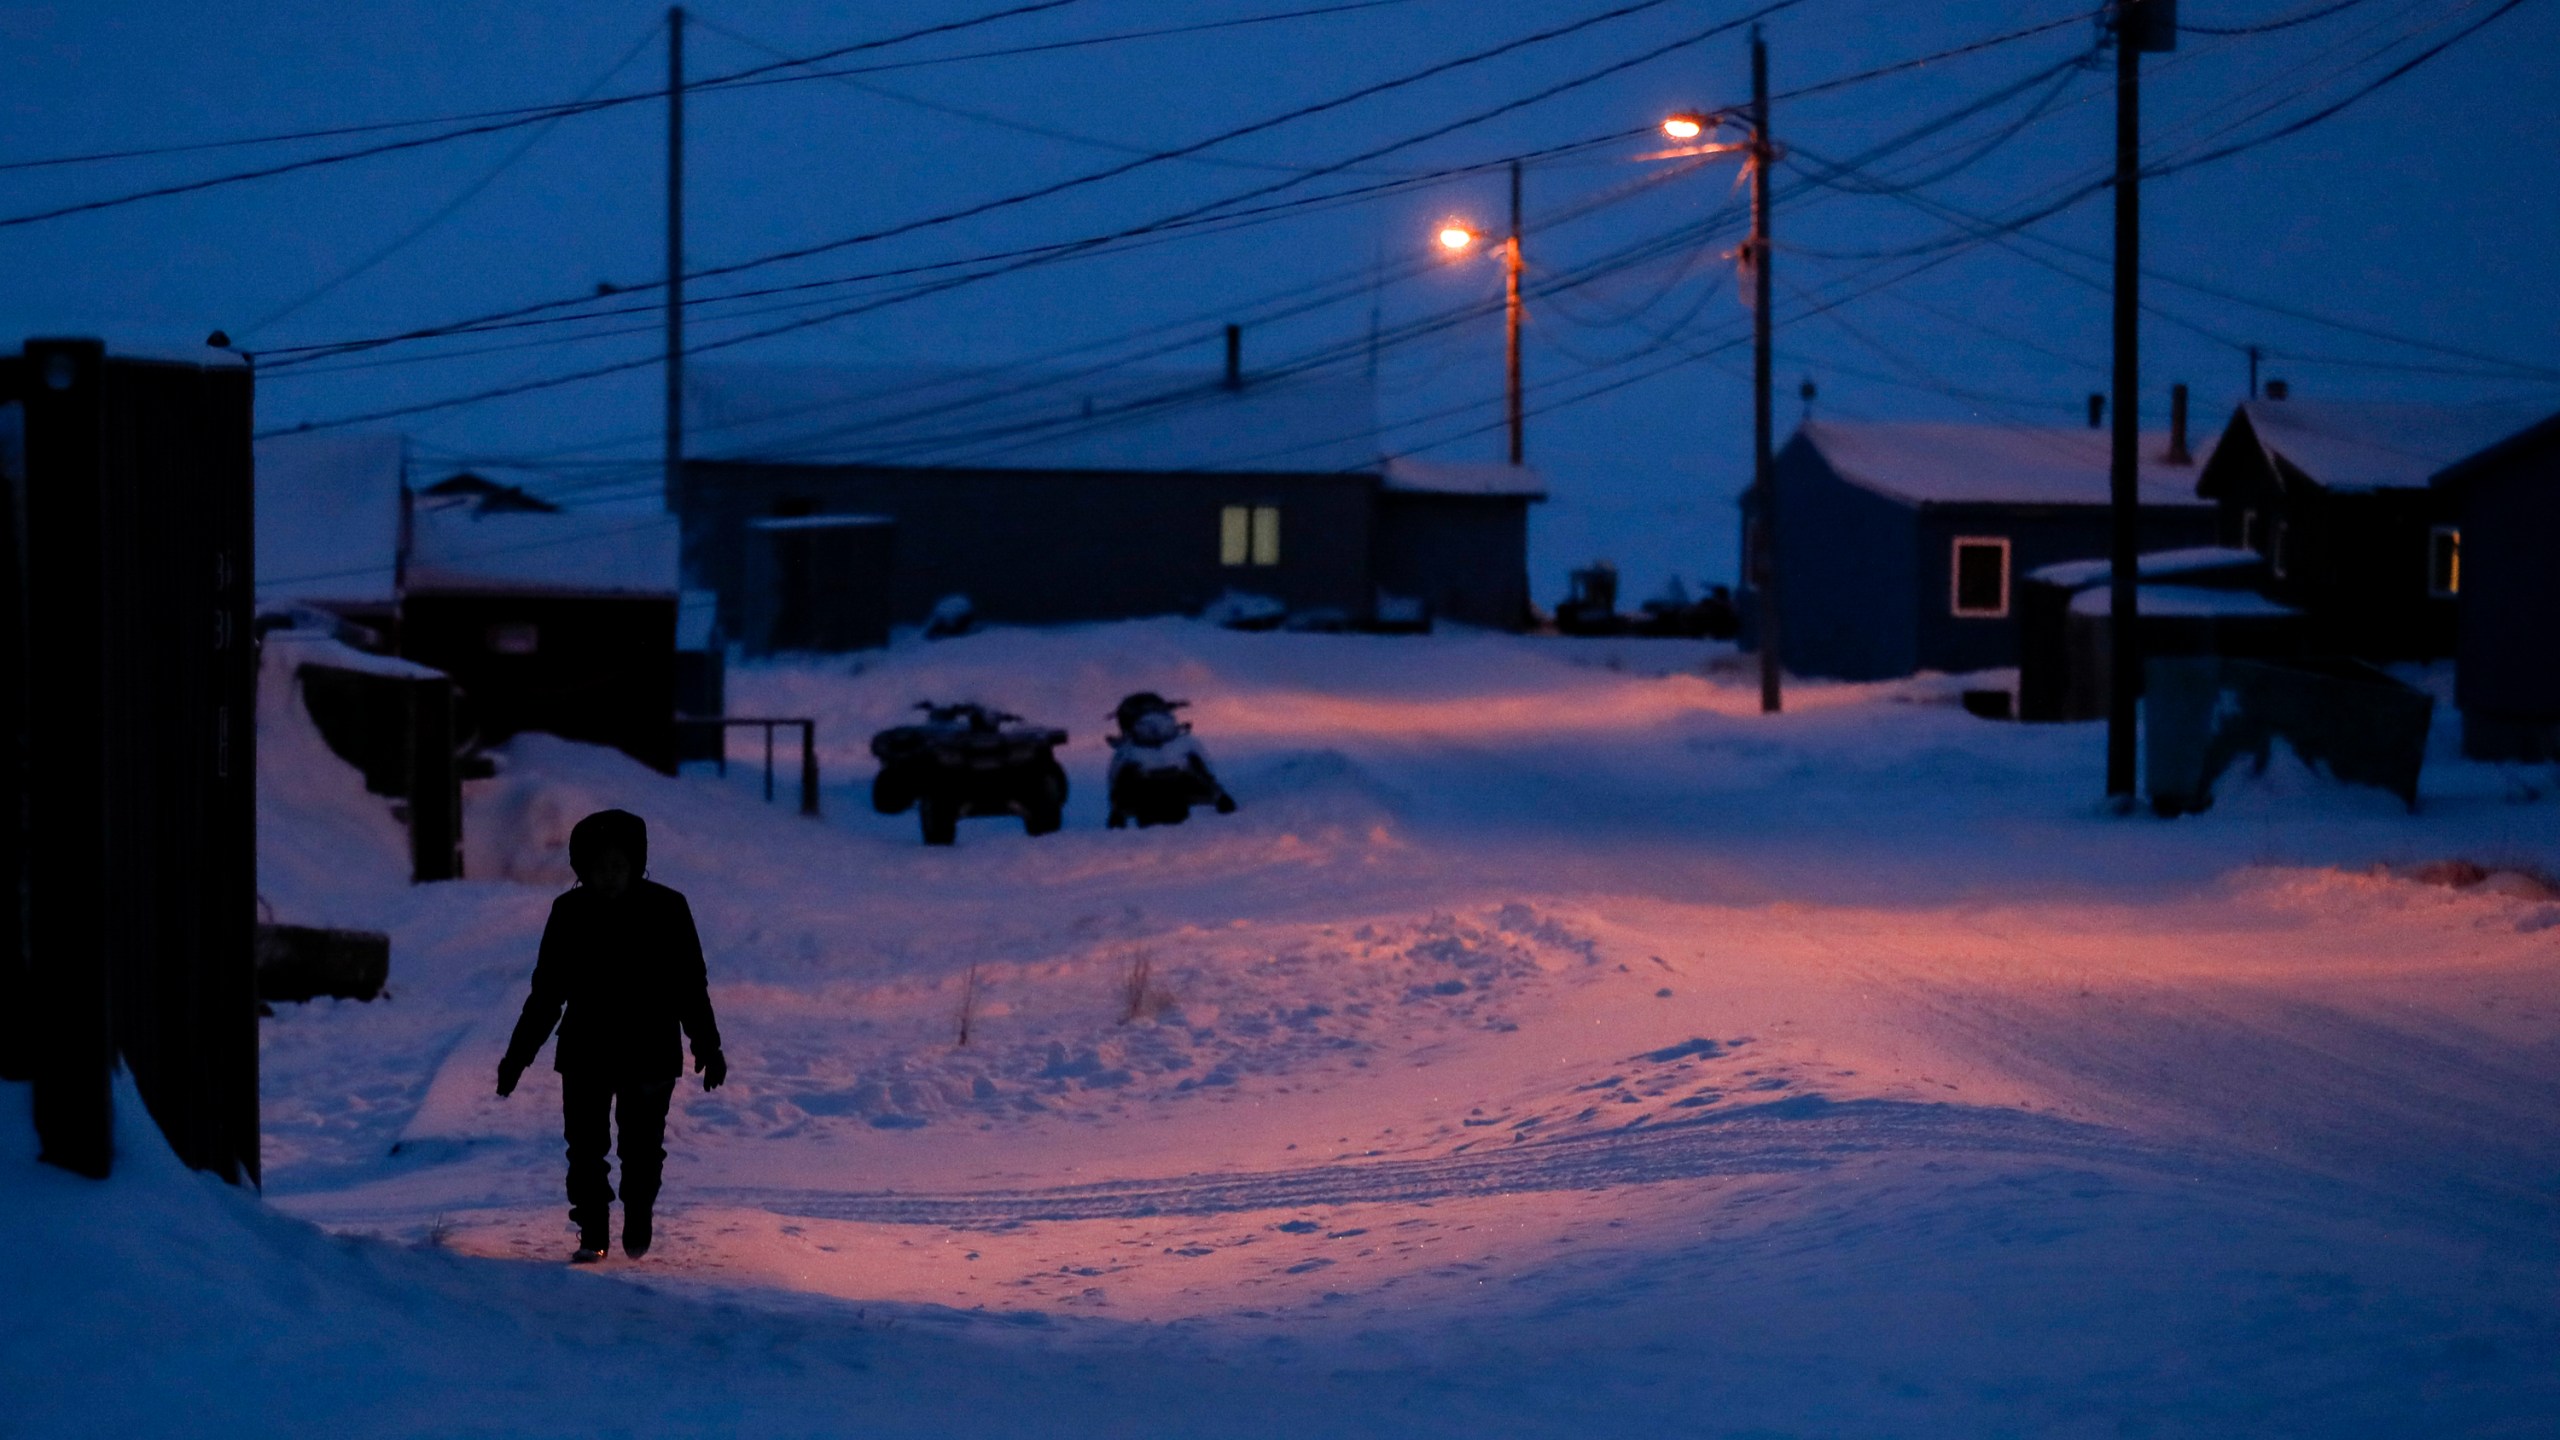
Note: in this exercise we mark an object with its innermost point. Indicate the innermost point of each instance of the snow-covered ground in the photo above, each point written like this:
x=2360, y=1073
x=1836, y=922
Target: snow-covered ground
x=1552, y=1045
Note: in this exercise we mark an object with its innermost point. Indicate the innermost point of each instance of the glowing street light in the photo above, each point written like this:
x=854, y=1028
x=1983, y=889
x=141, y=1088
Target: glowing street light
x=1456, y=237
x=1684, y=126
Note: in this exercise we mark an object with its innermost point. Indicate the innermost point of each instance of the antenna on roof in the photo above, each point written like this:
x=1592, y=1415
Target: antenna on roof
x=1805, y=393
x=2097, y=409
x=1235, y=357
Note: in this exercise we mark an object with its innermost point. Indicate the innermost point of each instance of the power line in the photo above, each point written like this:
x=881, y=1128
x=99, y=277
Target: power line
x=757, y=79
x=508, y=120
x=972, y=277
x=451, y=207
x=2269, y=27
x=1054, y=188
x=509, y=318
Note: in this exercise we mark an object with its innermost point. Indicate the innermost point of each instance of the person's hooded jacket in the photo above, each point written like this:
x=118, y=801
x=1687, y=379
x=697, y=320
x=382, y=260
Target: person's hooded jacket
x=627, y=970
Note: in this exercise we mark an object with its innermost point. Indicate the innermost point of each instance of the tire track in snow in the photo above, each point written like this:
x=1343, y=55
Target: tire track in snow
x=1803, y=1134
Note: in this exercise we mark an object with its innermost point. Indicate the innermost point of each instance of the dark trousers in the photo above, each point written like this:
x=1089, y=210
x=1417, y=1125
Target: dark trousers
x=590, y=1104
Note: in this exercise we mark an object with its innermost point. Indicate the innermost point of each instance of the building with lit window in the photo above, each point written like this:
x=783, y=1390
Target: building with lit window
x=1901, y=546
x=1056, y=498
x=2335, y=494
x=2506, y=500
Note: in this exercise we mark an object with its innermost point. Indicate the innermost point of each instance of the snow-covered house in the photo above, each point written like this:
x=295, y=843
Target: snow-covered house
x=558, y=620
x=1056, y=497
x=2336, y=495
x=548, y=615
x=2505, y=567
x=1899, y=544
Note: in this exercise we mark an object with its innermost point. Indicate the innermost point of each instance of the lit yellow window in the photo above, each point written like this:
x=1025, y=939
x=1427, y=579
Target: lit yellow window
x=1249, y=535
x=2444, y=560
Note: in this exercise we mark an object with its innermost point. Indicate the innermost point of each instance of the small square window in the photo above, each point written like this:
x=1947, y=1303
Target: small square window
x=1981, y=582
x=2444, y=560
x=1249, y=535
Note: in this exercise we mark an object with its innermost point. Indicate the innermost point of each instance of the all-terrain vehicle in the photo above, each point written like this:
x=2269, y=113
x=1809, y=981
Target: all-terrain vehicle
x=1158, y=772
x=965, y=760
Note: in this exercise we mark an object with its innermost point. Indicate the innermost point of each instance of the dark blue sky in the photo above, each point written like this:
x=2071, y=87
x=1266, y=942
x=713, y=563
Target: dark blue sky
x=2428, y=210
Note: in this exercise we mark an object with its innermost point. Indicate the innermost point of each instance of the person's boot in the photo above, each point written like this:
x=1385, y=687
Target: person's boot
x=635, y=1232
x=593, y=1242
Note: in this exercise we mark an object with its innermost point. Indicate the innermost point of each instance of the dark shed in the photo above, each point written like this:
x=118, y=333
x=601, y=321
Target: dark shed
x=817, y=582
x=1900, y=544
x=2335, y=494
x=2506, y=569
x=562, y=622
x=1456, y=538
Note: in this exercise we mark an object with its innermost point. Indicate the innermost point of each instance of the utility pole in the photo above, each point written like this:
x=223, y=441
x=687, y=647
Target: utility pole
x=1511, y=318
x=1762, y=478
x=675, y=257
x=2140, y=25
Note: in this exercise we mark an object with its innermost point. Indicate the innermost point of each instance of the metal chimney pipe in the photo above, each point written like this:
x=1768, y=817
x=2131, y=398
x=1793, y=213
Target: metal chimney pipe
x=1235, y=357
x=2178, y=427
x=2097, y=410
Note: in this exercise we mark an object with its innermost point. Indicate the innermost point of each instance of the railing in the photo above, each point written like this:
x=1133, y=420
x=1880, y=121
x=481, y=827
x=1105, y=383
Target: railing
x=808, y=749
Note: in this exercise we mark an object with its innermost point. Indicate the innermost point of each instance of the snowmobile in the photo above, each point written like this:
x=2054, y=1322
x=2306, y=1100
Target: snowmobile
x=965, y=760
x=1158, y=772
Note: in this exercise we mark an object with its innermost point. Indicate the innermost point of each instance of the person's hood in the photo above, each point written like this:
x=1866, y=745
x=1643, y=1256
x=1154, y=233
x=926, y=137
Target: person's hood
x=609, y=830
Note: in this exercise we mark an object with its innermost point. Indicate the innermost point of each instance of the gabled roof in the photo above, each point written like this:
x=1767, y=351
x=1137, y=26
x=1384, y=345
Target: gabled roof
x=2541, y=433
x=2359, y=445
x=1459, y=477
x=1003, y=419
x=623, y=549
x=1948, y=464
x=328, y=516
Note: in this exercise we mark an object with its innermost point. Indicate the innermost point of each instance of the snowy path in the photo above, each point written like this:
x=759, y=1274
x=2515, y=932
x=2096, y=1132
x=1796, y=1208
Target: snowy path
x=2017, y=1118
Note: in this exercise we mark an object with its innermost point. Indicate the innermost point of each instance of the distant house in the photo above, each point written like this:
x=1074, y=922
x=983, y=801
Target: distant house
x=2336, y=495
x=2504, y=565
x=546, y=616
x=1046, y=499
x=1899, y=545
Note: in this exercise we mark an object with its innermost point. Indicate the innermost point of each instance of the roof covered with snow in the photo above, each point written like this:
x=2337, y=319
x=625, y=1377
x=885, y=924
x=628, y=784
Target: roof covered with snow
x=2187, y=601
x=2194, y=560
x=628, y=548
x=1459, y=477
x=1951, y=464
x=328, y=516
x=2360, y=445
x=987, y=418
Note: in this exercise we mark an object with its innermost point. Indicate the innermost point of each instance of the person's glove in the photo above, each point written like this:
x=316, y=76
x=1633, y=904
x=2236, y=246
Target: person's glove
x=508, y=1074
x=714, y=1068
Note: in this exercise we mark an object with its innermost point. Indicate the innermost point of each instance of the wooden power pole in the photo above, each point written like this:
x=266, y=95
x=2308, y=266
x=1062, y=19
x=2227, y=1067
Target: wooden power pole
x=675, y=257
x=1763, y=478
x=1511, y=321
x=2140, y=25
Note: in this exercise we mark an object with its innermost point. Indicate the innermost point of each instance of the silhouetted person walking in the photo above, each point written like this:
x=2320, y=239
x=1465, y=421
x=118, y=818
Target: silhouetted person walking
x=621, y=954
